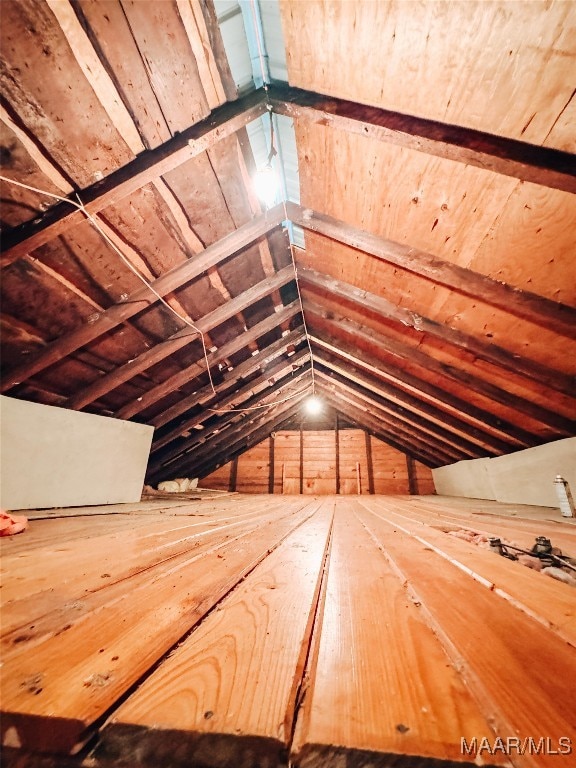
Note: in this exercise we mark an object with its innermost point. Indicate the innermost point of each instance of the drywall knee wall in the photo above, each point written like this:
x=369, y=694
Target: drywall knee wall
x=53, y=457
x=524, y=477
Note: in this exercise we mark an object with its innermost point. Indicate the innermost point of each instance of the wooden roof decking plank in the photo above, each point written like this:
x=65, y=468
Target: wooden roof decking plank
x=492, y=643
x=490, y=352
x=143, y=297
x=53, y=696
x=519, y=61
x=420, y=408
x=544, y=312
x=377, y=664
x=148, y=166
x=345, y=349
x=234, y=400
x=542, y=598
x=418, y=359
x=245, y=368
x=528, y=162
x=244, y=665
x=163, y=349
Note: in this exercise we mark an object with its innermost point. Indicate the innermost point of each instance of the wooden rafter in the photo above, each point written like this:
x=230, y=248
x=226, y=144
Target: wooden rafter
x=236, y=426
x=406, y=434
x=143, y=297
x=540, y=165
x=235, y=399
x=491, y=353
x=406, y=419
x=353, y=372
x=177, y=341
x=155, y=394
x=389, y=346
x=440, y=398
x=544, y=312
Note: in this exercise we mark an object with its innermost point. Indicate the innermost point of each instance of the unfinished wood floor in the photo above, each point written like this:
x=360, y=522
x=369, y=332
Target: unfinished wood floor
x=258, y=631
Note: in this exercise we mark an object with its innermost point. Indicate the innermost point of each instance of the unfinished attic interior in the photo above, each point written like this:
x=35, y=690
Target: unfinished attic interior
x=216, y=214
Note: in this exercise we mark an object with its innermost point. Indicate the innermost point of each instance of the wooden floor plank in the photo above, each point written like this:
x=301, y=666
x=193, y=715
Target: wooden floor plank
x=549, y=601
x=54, y=692
x=381, y=690
x=37, y=615
x=524, y=673
x=227, y=696
x=77, y=564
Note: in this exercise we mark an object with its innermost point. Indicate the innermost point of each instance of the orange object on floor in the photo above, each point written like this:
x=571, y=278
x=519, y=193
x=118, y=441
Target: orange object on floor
x=11, y=524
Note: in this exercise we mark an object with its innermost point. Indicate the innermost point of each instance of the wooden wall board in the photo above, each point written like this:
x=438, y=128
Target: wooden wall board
x=319, y=462
x=424, y=478
x=444, y=63
x=390, y=473
x=253, y=469
x=353, y=462
x=231, y=690
x=286, y=461
x=219, y=478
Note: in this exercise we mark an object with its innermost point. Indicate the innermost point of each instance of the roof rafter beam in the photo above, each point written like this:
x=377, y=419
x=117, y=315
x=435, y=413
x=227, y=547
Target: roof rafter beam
x=236, y=398
x=245, y=442
x=143, y=297
x=234, y=426
x=177, y=341
x=407, y=420
x=528, y=162
x=491, y=353
x=265, y=355
x=544, y=312
x=489, y=391
x=352, y=369
x=404, y=433
x=421, y=389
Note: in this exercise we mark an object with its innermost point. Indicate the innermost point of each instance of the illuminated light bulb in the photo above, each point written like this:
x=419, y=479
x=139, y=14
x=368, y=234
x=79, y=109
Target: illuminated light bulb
x=266, y=183
x=314, y=405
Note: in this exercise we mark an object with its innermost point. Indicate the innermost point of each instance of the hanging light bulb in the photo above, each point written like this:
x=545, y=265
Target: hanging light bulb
x=266, y=183
x=314, y=405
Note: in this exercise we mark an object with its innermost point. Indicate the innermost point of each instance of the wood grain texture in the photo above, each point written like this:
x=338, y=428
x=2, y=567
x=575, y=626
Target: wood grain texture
x=379, y=667
x=80, y=672
x=229, y=693
x=445, y=63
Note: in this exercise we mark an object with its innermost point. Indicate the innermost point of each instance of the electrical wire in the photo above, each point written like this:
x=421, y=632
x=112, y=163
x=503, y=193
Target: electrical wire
x=95, y=223
x=257, y=407
x=93, y=220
